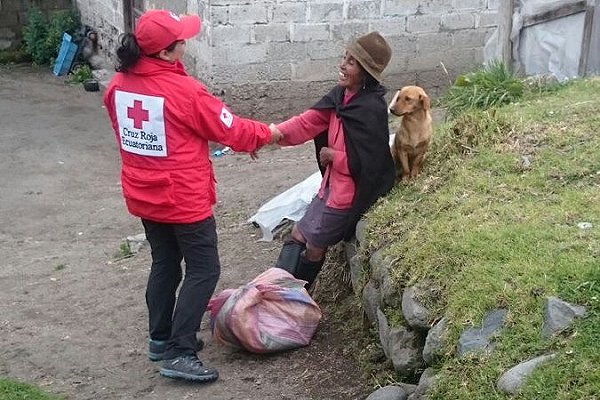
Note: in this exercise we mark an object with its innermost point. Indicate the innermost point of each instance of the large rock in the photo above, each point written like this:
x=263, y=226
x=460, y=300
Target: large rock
x=512, y=380
x=415, y=313
x=435, y=341
x=370, y=301
x=478, y=339
x=401, y=345
x=380, y=273
x=559, y=315
x=389, y=393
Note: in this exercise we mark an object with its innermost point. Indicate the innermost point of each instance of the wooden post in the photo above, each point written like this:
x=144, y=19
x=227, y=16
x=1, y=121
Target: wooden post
x=504, y=32
x=586, y=40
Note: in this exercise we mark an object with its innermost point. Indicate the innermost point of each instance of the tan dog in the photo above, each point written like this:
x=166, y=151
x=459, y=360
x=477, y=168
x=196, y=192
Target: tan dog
x=414, y=134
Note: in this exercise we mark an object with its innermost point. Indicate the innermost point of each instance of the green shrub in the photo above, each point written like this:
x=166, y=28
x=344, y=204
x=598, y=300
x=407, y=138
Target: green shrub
x=34, y=35
x=43, y=38
x=491, y=86
x=14, y=56
x=80, y=74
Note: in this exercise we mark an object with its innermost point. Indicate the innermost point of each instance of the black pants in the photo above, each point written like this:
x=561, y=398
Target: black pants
x=177, y=319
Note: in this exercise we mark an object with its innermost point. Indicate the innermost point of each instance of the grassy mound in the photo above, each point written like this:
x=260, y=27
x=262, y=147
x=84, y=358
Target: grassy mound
x=500, y=217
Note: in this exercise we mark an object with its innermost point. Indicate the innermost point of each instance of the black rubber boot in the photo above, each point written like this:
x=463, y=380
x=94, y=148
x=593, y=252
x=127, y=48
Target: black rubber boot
x=290, y=256
x=308, y=270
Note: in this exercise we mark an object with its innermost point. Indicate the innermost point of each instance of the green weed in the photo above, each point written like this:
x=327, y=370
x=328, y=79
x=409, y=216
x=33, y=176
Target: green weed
x=11, y=389
x=491, y=86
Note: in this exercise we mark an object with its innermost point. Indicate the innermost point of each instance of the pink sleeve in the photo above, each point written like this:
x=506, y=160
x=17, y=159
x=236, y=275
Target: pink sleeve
x=304, y=127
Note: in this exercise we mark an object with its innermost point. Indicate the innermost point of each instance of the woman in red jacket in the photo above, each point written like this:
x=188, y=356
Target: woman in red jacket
x=350, y=128
x=163, y=120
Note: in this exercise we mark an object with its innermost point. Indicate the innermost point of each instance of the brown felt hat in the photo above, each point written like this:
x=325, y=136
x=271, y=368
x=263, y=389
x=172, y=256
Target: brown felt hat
x=372, y=52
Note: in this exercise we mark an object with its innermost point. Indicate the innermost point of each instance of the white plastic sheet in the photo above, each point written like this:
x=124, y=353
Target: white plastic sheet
x=291, y=205
x=552, y=47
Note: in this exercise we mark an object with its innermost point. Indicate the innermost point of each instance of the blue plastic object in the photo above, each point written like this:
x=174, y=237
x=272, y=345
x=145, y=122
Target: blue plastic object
x=66, y=55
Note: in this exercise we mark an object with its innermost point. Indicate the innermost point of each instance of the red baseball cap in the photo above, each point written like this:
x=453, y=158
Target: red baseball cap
x=158, y=29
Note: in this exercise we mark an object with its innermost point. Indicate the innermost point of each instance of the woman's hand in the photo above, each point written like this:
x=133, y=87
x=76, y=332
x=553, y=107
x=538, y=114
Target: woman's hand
x=326, y=156
x=276, y=134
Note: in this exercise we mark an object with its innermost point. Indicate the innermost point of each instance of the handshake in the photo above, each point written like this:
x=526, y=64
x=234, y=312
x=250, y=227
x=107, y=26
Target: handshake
x=276, y=134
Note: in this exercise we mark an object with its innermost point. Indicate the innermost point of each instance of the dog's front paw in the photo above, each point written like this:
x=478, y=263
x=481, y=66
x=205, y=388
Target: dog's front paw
x=405, y=179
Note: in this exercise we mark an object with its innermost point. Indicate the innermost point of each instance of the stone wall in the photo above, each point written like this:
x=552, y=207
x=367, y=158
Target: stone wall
x=270, y=59
x=13, y=16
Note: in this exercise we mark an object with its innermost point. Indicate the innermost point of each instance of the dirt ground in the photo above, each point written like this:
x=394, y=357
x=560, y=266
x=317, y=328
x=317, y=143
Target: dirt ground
x=72, y=315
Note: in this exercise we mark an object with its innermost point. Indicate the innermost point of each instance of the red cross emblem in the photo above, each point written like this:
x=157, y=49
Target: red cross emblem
x=137, y=114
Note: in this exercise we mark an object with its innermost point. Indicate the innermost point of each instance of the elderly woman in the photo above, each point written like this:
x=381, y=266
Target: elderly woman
x=350, y=129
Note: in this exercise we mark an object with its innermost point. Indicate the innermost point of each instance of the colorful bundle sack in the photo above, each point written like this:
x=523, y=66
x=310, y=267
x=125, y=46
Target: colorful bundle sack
x=272, y=313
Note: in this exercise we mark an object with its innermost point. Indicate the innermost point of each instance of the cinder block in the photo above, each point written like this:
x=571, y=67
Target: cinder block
x=423, y=23
x=493, y=4
x=361, y=10
x=327, y=12
x=252, y=73
x=405, y=44
x=395, y=80
x=433, y=42
x=488, y=19
x=219, y=15
x=315, y=70
x=239, y=54
x=248, y=14
x=425, y=61
x=277, y=51
x=10, y=19
x=348, y=31
x=326, y=49
x=227, y=34
x=436, y=7
x=470, y=4
x=310, y=32
x=228, y=2
x=289, y=12
x=459, y=20
x=272, y=33
x=398, y=63
x=395, y=8
x=390, y=27
x=470, y=38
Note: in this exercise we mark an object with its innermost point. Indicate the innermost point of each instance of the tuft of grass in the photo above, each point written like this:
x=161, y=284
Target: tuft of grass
x=491, y=86
x=80, y=74
x=60, y=267
x=11, y=389
x=487, y=230
x=123, y=252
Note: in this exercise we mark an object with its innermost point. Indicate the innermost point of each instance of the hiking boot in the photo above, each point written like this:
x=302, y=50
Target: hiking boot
x=188, y=367
x=157, y=348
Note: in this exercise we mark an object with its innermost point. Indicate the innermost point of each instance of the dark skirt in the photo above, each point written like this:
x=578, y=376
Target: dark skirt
x=323, y=226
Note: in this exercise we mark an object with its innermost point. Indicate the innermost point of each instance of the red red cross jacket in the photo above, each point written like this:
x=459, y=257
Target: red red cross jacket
x=163, y=120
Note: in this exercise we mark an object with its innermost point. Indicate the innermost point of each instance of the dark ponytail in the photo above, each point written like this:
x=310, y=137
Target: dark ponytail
x=128, y=53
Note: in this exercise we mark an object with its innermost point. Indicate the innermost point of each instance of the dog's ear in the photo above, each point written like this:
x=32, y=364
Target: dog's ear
x=425, y=102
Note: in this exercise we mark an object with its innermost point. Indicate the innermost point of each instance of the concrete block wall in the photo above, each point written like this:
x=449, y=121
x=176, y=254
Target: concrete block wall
x=107, y=19
x=271, y=59
x=13, y=16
